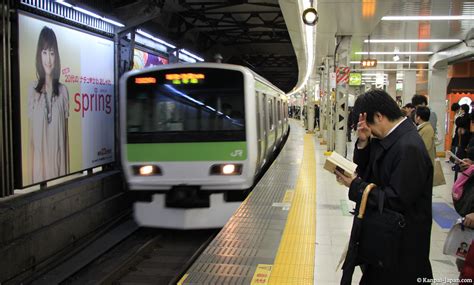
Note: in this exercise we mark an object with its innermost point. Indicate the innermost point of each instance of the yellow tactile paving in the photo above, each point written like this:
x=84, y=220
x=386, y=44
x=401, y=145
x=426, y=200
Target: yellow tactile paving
x=294, y=262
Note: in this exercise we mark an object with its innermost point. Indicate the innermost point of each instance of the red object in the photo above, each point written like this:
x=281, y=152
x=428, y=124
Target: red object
x=468, y=268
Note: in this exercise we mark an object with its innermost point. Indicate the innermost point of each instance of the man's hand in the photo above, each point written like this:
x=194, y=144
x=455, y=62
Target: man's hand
x=469, y=220
x=341, y=178
x=363, y=131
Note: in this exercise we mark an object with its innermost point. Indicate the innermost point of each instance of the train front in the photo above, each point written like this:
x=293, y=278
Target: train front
x=184, y=145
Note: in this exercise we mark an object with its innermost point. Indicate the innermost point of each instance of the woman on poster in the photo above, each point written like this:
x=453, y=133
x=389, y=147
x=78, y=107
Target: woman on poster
x=48, y=111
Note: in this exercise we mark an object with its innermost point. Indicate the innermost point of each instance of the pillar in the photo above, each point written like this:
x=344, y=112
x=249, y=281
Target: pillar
x=392, y=84
x=437, y=88
x=409, y=86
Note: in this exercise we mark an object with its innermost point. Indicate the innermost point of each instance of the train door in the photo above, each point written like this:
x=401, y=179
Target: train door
x=260, y=128
x=271, y=123
x=264, y=108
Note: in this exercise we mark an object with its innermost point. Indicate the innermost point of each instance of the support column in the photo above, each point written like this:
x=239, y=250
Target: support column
x=392, y=84
x=342, y=96
x=437, y=88
x=409, y=86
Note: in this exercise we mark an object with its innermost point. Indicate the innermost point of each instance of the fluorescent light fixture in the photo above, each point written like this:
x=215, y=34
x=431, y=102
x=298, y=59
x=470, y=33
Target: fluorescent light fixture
x=87, y=12
x=113, y=22
x=309, y=41
x=395, y=62
x=392, y=52
x=414, y=41
x=145, y=34
x=191, y=54
x=427, y=18
x=64, y=3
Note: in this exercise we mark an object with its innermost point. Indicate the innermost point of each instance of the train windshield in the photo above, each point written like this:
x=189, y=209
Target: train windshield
x=186, y=105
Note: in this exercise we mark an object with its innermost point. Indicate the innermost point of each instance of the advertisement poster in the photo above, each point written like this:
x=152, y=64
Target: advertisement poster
x=66, y=100
x=143, y=59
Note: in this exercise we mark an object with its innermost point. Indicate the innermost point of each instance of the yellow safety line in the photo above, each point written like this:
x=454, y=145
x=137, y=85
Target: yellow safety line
x=294, y=263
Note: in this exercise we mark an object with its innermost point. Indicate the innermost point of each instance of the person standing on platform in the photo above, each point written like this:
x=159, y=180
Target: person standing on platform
x=425, y=130
x=420, y=100
x=390, y=153
x=316, y=116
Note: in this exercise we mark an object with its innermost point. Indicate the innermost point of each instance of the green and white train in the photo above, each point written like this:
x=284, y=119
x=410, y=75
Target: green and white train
x=194, y=138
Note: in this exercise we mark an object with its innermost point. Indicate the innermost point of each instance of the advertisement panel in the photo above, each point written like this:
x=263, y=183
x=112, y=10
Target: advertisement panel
x=143, y=59
x=66, y=99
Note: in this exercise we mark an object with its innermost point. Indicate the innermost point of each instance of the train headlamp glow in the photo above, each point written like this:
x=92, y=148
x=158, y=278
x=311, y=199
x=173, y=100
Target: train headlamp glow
x=226, y=169
x=146, y=170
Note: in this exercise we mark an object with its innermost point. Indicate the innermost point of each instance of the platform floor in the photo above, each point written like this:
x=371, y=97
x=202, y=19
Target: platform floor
x=295, y=225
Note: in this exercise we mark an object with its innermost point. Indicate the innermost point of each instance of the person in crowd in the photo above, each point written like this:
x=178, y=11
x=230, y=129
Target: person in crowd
x=456, y=108
x=425, y=130
x=48, y=112
x=420, y=100
x=350, y=124
x=316, y=116
x=387, y=151
x=408, y=108
x=463, y=124
x=465, y=208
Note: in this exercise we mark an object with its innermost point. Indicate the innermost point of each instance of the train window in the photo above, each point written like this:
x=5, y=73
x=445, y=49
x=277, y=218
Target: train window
x=207, y=107
x=279, y=110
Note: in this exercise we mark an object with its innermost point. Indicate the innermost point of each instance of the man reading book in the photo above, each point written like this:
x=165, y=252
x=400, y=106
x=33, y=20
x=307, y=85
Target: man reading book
x=390, y=153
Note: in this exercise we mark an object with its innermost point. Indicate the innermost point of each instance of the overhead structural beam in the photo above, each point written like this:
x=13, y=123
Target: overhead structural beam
x=443, y=58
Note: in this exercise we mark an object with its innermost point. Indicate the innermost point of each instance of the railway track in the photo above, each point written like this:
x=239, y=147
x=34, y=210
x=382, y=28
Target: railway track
x=149, y=256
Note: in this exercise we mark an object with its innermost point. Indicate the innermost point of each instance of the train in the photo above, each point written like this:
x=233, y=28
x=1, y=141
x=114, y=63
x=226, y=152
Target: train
x=194, y=139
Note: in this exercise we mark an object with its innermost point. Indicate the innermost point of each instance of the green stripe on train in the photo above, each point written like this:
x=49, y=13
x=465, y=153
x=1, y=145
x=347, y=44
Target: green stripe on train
x=187, y=151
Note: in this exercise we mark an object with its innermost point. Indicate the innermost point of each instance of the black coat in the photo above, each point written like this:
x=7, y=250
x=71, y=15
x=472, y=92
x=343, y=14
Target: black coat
x=401, y=166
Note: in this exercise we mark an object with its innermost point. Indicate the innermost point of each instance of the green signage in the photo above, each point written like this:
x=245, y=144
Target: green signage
x=355, y=79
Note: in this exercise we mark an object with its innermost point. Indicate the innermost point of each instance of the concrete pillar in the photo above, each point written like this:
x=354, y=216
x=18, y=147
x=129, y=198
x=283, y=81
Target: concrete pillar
x=437, y=88
x=409, y=86
x=392, y=84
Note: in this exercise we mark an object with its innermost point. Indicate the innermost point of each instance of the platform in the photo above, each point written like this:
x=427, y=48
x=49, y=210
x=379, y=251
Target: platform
x=282, y=234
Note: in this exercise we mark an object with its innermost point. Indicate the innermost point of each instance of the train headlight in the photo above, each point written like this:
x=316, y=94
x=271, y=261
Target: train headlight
x=146, y=170
x=226, y=169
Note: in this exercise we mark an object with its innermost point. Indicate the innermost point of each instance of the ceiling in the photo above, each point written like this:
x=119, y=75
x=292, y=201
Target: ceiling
x=361, y=18
x=252, y=33
x=265, y=35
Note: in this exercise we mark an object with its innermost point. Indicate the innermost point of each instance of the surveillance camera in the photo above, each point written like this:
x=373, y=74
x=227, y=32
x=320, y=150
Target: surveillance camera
x=321, y=68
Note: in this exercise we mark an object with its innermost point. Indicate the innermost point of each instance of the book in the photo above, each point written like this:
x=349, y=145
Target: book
x=343, y=165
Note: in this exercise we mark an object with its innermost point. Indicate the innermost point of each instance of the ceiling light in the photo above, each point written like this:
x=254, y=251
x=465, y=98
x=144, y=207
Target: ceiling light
x=191, y=54
x=113, y=22
x=310, y=16
x=414, y=41
x=87, y=12
x=427, y=18
x=64, y=3
x=155, y=39
x=395, y=62
x=391, y=52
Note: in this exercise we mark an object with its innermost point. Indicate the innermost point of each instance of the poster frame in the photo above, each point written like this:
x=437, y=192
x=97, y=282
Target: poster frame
x=16, y=100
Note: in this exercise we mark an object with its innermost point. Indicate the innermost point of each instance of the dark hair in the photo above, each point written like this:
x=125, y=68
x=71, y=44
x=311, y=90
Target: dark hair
x=465, y=108
x=423, y=112
x=377, y=100
x=418, y=100
x=455, y=107
x=47, y=40
x=409, y=105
